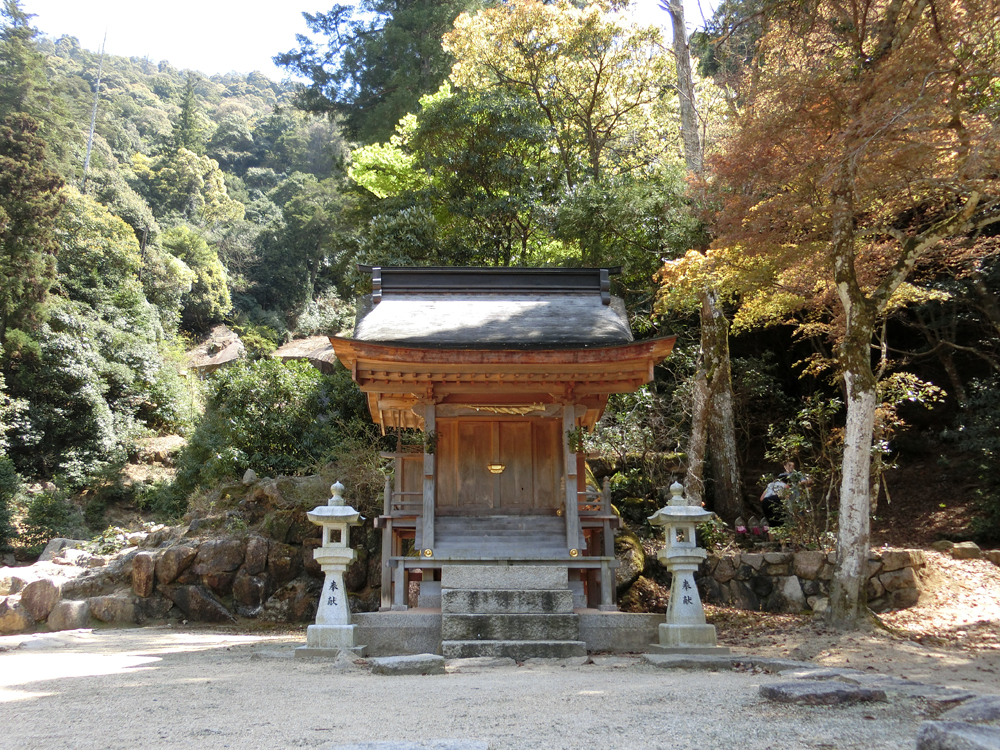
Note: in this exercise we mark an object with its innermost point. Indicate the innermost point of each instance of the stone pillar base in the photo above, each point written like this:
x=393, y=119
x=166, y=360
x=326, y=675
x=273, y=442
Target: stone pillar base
x=330, y=636
x=698, y=636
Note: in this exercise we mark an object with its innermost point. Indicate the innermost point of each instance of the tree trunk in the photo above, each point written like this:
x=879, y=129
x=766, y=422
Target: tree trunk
x=848, y=600
x=694, y=483
x=848, y=605
x=685, y=88
x=721, y=419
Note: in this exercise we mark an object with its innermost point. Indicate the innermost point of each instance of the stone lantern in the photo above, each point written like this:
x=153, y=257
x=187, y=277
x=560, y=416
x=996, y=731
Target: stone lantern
x=333, y=631
x=685, y=629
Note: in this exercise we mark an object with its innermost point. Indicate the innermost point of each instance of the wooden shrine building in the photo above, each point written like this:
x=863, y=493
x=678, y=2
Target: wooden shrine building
x=503, y=369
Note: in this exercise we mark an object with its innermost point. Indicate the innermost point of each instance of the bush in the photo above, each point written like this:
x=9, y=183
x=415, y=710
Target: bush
x=10, y=488
x=49, y=515
x=980, y=436
x=274, y=417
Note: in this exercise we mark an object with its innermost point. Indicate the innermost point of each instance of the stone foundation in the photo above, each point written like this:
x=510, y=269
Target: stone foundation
x=795, y=582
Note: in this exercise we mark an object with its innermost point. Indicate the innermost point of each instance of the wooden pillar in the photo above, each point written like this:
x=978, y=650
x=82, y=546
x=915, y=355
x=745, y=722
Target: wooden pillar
x=572, y=510
x=386, y=592
x=430, y=427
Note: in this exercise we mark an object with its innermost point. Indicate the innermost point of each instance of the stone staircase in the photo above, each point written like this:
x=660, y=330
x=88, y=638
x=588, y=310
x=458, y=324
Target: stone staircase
x=516, y=611
x=500, y=538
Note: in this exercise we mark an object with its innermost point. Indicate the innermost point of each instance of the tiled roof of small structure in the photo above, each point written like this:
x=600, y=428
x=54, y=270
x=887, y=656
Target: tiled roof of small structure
x=492, y=308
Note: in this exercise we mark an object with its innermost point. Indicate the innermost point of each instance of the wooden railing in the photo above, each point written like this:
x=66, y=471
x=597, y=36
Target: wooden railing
x=590, y=503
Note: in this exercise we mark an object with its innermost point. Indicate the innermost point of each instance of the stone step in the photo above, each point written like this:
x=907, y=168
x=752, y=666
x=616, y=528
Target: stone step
x=506, y=601
x=494, y=627
x=496, y=552
x=504, y=577
x=519, y=650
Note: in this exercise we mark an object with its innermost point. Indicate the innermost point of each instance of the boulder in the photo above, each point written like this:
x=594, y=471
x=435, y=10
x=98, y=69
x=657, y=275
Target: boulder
x=14, y=618
x=143, y=574
x=154, y=608
x=249, y=477
x=786, y=597
x=283, y=562
x=904, y=578
x=10, y=584
x=808, y=564
x=993, y=555
x=69, y=615
x=942, y=545
x=725, y=571
x=116, y=608
x=309, y=563
x=293, y=602
x=56, y=545
x=903, y=598
x=255, y=560
x=901, y=558
x=197, y=603
x=172, y=562
x=356, y=577
x=632, y=559
x=251, y=591
x=753, y=559
x=220, y=583
x=39, y=597
x=218, y=556
x=966, y=551
x=80, y=558
x=743, y=597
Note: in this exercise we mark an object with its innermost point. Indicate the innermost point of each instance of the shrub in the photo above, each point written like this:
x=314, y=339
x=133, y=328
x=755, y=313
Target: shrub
x=10, y=488
x=979, y=434
x=274, y=417
x=49, y=515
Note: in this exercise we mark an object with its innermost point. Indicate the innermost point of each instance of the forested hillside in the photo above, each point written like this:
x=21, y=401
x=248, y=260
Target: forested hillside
x=521, y=133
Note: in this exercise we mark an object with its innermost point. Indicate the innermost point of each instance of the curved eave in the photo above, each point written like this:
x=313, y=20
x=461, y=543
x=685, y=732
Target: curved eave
x=396, y=379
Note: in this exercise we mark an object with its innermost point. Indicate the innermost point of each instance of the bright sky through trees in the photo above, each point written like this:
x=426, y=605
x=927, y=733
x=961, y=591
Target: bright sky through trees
x=218, y=36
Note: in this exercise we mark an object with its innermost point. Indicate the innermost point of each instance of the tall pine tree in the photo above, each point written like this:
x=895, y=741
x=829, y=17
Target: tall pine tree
x=29, y=203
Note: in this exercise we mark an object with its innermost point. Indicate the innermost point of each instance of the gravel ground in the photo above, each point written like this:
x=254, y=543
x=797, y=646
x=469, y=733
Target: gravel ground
x=159, y=688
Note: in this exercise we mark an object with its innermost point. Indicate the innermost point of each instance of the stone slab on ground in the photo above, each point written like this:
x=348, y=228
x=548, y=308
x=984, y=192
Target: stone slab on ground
x=913, y=689
x=479, y=662
x=820, y=693
x=693, y=661
x=407, y=745
x=311, y=652
x=656, y=648
x=956, y=735
x=976, y=710
x=849, y=676
x=412, y=664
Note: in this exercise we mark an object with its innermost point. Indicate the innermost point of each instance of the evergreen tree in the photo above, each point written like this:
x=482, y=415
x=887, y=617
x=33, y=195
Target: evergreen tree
x=24, y=86
x=29, y=203
x=187, y=129
x=373, y=71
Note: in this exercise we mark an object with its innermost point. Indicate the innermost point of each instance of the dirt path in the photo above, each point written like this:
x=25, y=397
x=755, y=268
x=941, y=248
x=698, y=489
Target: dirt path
x=951, y=637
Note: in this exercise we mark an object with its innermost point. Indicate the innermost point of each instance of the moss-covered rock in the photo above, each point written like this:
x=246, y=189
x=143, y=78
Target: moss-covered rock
x=631, y=556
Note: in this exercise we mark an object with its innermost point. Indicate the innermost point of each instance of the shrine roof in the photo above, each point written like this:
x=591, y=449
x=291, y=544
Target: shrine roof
x=492, y=308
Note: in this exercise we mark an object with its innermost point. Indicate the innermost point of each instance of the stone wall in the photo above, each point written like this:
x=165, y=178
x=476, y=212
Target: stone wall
x=800, y=581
